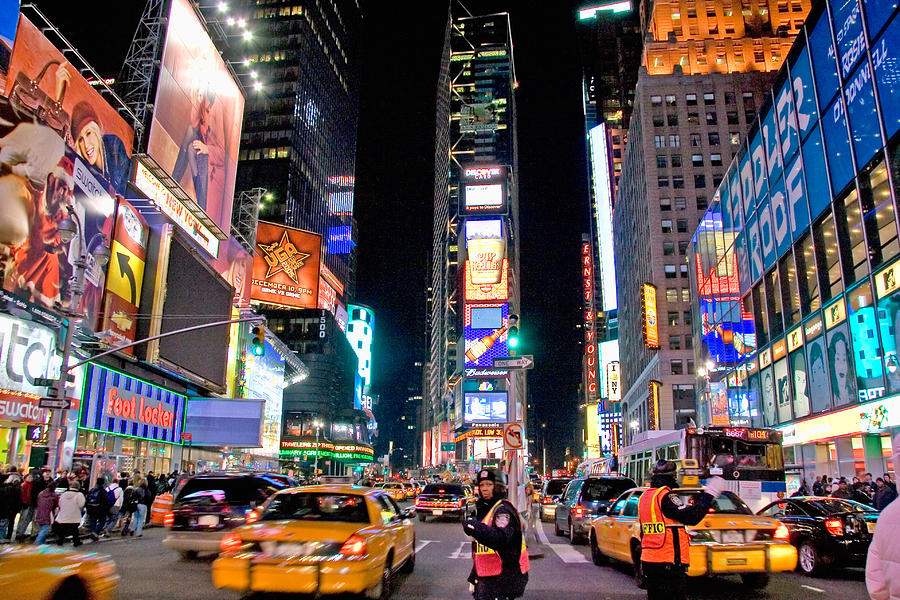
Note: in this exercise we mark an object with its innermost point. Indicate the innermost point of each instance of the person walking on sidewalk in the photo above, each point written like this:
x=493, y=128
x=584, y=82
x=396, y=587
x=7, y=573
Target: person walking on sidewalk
x=26, y=513
x=10, y=502
x=142, y=496
x=45, y=507
x=97, y=506
x=69, y=516
x=115, y=492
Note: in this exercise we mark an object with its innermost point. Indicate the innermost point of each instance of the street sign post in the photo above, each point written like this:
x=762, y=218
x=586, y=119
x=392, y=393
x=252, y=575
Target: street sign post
x=512, y=437
x=448, y=446
x=56, y=403
x=515, y=362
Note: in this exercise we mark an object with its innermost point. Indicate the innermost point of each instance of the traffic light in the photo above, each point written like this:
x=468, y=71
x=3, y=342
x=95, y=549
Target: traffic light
x=512, y=332
x=259, y=340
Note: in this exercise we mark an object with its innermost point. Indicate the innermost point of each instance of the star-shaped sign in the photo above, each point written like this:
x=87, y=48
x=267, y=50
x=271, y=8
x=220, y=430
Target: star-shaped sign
x=283, y=257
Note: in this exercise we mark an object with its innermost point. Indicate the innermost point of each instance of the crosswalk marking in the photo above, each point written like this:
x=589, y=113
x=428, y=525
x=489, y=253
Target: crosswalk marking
x=422, y=543
x=462, y=551
x=565, y=552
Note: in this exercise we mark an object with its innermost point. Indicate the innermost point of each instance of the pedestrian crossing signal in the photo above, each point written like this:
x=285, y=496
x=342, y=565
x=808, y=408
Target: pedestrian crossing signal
x=259, y=341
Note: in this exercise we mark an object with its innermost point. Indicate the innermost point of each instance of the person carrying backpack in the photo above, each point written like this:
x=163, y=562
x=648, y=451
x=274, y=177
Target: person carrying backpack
x=116, y=498
x=129, y=507
x=97, y=507
x=10, y=502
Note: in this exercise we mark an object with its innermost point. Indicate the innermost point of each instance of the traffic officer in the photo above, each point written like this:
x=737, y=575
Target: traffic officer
x=500, y=570
x=665, y=546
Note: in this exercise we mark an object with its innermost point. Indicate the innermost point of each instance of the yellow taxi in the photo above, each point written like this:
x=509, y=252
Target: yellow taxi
x=324, y=539
x=730, y=540
x=394, y=489
x=45, y=573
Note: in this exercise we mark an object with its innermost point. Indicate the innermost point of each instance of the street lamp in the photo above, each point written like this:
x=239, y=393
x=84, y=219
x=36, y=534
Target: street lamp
x=544, y=447
x=68, y=229
x=318, y=425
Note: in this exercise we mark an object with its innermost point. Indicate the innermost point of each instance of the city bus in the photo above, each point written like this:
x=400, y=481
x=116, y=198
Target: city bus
x=752, y=458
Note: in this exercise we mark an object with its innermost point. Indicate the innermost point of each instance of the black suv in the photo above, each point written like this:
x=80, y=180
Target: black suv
x=445, y=499
x=209, y=506
x=584, y=499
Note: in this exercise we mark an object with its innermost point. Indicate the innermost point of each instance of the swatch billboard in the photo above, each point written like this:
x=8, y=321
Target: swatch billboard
x=195, y=130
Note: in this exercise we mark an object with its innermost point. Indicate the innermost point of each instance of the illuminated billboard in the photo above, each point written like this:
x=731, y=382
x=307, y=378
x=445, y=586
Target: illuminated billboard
x=360, y=332
x=484, y=191
x=650, y=322
x=613, y=382
x=128, y=255
x=196, y=125
x=286, y=266
x=340, y=240
x=9, y=19
x=590, y=375
x=603, y=203
x=483, y=345
x=478, y=277
x=39, y=75
x=482, y=229
x=484, y=407
x=264, y=379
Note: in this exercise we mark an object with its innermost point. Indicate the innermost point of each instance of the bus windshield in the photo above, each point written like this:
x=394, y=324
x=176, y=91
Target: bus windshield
x=740, y=454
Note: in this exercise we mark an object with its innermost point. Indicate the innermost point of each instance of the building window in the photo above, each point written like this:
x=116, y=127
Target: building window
x=656, y=100
x=790, y=295
x=666, y=225
x=697, y=160
x=709, y=98
x=695, y=140
x=690, y=366
x=681, y=224
x=670, y=271
x=773, y=293
x=672, y=120
x=677, y=367
x=675, y=141
x=682, y=248
x=673, y=316
x=659, y=141
x=691, y=99
x=749, y=116
x=662, y=182
x=808, y=280
x=693, y=118
x=658, y=121
x=749, y=102
x=670, y=100
x=880, y=224
x=730, y=98
x=715, y=160
x=665, y=204
x=828, y=255
x=760, y=316
x=689, y=342
x=679, y=204
x=735, y=138
x=676, y=160
x=713, y=138
x=699, y=181
x=668, y=248
x=677, y=182
x=661, y=161
x=711, y=118
x=717, y=179
x=675, y=342
x=702, y=202
x=685, y=294
x=683, y=269
x=732, y=117
x=848, y=221
x=671, y=294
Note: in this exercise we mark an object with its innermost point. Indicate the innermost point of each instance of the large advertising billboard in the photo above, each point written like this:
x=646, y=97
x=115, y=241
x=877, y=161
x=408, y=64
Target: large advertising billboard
x=235, y=265
x=125, y=278
x=42, y=85
x=484, y=407
x=196, y=126
x=650, y=320
x=28, y=352
x=9, y=19
x=485, y=334
x=484, y=191
x=286, y=266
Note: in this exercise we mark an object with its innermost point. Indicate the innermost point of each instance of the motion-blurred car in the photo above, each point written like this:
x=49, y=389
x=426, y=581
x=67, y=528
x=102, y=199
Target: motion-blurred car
x=327, y=539
x=209, y=506
x=394, y=489
x=730, y=540
x=49, y=573
x=549, y=496
x=826, y=531
x=445, y=499
x=583, y=499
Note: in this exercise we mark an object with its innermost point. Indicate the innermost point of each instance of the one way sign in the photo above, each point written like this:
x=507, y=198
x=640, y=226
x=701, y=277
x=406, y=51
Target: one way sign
x=515, y=362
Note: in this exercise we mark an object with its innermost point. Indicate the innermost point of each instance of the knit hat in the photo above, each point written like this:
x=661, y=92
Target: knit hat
x=82, y=114
x=487, y=475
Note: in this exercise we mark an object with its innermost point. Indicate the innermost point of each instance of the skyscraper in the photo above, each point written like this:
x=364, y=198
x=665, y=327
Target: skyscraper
x=300, y=125
x=475, y=261
x=705, y=69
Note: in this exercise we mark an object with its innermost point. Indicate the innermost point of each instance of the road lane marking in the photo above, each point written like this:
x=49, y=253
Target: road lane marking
x=423, y=543
x=809, y=587
x=542, y=535
x=461, y=552
x=565, y=552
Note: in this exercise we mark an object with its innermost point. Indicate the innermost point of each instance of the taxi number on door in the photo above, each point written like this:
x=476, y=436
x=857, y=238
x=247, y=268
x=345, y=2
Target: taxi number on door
x=651, y=528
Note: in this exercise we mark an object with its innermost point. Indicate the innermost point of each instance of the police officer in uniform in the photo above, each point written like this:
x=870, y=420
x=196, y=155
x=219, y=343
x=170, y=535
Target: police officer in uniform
x=500, y=570
x=665, y=545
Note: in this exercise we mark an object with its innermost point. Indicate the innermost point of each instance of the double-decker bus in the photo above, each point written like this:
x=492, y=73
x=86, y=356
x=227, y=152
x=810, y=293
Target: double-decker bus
x=750, y=460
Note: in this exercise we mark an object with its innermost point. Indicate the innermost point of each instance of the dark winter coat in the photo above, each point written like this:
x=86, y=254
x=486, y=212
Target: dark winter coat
x=507, y=541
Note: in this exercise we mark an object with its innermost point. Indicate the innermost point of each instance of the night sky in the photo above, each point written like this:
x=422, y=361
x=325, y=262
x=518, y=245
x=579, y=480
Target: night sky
x=395, y=182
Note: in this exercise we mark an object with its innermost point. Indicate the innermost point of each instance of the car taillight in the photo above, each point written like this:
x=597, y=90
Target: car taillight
x=781, y=533
x=834, y=526
x=169, y=519
x=251, y=517
x=578, y=511
x=231, y=543
x=462, y=501
x=354, y=546
x=547, y=501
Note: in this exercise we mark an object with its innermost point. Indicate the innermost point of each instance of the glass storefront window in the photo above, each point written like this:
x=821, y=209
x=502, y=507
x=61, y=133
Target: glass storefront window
x=808, y=278
x=827, y=254
x=773, y=293
x=129, y=446
x=887, y=448
x=850, y=236
x=878, y=214
x=790, y=295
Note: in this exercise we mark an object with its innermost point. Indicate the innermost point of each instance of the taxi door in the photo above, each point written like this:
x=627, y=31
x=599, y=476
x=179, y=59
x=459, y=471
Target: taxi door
x=627, y=525
x=399, y=531
x=606, y=525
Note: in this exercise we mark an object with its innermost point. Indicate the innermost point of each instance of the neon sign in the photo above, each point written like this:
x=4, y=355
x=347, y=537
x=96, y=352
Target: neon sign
x=590, y=326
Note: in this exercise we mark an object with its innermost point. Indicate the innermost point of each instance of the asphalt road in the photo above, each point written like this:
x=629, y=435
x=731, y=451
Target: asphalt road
x=149, y=571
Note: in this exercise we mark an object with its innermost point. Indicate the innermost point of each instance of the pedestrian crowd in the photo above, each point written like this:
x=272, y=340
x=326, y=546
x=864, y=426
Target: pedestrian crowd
x=36, y=504
x=877, y=493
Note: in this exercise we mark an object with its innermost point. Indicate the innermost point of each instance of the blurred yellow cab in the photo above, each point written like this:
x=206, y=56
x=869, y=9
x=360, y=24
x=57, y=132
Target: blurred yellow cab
x=394, y=489
x=325, y=539
x=730, y=540
x=51, y=573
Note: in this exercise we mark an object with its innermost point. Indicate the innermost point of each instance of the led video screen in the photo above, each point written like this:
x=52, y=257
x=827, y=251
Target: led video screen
x=484, y=407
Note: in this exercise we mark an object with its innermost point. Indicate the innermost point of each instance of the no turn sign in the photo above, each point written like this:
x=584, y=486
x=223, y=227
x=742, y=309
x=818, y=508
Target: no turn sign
x=512, y=437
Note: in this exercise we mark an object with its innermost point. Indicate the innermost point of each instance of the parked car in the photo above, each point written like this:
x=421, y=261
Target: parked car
x=826, y=531
x=209, y=506
x=549, y=495
x=321, y=540
x=585, y=498
x=731, y=540
x=443, y=499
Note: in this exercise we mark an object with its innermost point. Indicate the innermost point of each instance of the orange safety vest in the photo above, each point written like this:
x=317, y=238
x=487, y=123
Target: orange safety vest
x=658, y=532
x=487, y=560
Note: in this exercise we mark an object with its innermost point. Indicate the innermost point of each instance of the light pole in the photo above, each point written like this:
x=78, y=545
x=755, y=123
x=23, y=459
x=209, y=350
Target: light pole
x=318, y=425
x=544, y=447
x=68, y=229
